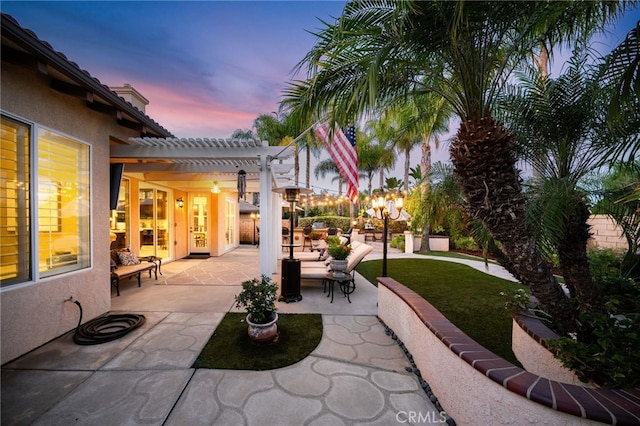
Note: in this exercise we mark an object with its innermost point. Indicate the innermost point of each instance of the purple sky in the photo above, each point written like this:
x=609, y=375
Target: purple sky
x=207, y=67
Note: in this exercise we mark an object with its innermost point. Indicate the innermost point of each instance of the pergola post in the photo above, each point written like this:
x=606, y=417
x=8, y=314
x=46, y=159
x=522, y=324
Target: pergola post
x=267, y=252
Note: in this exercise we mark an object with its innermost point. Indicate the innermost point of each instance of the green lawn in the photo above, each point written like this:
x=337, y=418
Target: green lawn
x=230, y=347
x=467, y=297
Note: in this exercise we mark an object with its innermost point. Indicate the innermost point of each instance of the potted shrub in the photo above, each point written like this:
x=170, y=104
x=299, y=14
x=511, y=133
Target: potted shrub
x=339, y=253
x=258, y=297
x=316, y=236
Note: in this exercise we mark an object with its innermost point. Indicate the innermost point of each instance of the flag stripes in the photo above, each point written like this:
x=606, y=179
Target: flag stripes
x=342, y=150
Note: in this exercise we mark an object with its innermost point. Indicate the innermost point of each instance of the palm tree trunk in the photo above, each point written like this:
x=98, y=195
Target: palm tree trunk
x=572, y=252
x=425, y=169
x=407, y=167
x=482, y=155
x=296, y=165
x=308, y=171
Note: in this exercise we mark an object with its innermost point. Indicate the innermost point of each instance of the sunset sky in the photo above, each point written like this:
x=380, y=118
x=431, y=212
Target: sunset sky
x=207, y=67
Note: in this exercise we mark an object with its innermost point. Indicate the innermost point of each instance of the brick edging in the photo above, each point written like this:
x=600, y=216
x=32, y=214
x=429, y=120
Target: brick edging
x=612, y=406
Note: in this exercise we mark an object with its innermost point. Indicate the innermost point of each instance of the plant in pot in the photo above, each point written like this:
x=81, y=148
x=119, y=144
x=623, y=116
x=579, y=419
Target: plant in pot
x=316, y=236
x=258, y=297
x=339, y=253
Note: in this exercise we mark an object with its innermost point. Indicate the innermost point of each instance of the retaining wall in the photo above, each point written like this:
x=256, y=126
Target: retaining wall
x=475, y=386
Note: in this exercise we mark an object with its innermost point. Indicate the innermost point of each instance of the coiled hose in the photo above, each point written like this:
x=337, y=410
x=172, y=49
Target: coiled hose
x=105, y=328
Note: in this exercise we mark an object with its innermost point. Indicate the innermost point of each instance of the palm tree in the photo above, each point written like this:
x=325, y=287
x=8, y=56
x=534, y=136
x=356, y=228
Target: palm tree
x=380, y=50
x=561, y=128
x=381, y=130
x=370, y=158
x=243, y=134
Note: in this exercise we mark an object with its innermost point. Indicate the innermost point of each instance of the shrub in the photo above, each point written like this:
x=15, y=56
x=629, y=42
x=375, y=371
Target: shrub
x=607, y=357
x=258, y=297
x=465, y=243
x=341, y=222
x=397, y=242
x=607, y=354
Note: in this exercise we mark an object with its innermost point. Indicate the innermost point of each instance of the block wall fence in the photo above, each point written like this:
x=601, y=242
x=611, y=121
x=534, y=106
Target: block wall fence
x=606, y=234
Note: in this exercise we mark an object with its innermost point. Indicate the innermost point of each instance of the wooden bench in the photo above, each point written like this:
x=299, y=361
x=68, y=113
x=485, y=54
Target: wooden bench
x=127, y=271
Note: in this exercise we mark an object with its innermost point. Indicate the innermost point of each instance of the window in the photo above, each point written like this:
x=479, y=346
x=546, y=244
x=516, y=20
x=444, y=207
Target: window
x=120, y=218
x=15, y=216
x=46, y=230
x=63, y=204
x=229, y=222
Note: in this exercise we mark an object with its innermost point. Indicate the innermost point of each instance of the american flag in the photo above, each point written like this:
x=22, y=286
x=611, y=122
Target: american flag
x=343, y=152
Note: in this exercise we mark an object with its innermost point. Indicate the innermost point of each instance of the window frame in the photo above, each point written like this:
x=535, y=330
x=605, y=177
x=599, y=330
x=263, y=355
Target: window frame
x=85, y=236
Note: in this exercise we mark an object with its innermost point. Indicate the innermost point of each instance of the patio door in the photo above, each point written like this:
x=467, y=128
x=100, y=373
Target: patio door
x=198, y=224
x=154, y=222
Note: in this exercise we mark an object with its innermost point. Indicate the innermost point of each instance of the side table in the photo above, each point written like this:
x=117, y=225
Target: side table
x=153, y=259
x=345, y=282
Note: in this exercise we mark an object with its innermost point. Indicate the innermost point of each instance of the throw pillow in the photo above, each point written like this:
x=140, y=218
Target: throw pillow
x=128, y=258
x=114, y=265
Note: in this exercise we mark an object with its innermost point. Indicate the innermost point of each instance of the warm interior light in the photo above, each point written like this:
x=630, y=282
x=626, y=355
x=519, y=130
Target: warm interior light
x=215, y=188
x=180, y=202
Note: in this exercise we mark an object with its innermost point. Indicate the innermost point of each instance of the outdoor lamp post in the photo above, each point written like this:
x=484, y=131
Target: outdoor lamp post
x=383, y=205
x=254, y=216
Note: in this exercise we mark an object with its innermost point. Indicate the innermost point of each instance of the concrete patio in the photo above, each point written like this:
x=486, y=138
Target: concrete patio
x=357, y=375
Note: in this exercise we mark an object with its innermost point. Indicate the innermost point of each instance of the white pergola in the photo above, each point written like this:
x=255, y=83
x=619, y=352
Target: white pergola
x=192, y=164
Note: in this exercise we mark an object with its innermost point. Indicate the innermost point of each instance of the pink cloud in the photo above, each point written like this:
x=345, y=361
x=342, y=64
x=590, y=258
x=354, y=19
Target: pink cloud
x=187, y=116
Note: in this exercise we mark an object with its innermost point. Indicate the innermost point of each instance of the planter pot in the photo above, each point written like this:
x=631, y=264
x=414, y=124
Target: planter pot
x=263, y=333
x=438, y=243
x=338, y=267
x=417, y=242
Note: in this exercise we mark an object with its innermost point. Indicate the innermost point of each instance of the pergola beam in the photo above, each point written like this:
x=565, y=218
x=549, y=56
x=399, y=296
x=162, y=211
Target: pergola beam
x=195, y=153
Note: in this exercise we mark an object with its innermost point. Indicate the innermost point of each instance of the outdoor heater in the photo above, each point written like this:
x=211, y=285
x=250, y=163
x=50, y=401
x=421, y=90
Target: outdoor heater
x=290, y=285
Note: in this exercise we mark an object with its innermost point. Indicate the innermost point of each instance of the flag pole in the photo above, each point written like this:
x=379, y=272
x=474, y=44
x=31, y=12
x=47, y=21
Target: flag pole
x=297, y=138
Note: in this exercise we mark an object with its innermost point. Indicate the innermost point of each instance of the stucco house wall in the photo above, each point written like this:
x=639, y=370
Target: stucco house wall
x=35, y=312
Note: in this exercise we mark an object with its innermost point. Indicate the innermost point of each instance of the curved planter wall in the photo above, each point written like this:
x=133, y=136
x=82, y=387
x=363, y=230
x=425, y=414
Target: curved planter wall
x=527, y=342
x=475, y=386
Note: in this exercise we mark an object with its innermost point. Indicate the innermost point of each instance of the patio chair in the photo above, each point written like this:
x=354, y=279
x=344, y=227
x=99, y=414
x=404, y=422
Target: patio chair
x=319, y=270
x=306, y=232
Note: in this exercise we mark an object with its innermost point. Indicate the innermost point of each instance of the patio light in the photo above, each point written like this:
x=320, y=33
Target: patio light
x=383, y=206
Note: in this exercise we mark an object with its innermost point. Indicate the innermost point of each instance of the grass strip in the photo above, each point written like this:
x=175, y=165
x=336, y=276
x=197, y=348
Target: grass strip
x=230, y=348
x=468, y=298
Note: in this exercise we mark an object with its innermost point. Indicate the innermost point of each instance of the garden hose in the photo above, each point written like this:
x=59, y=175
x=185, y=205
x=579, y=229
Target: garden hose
x=105, y=328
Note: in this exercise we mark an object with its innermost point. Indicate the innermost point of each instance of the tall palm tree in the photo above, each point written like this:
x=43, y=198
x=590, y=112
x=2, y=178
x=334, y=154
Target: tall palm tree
x=382, y=49
x=370, y=157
